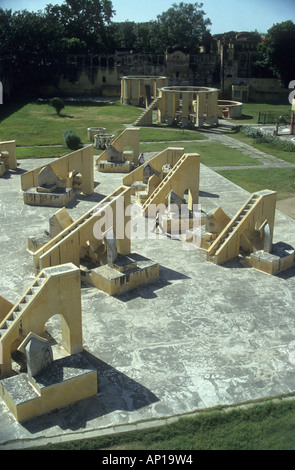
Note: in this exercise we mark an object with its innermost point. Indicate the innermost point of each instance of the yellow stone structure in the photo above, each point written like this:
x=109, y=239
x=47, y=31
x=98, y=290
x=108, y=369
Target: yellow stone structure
x=50, y=382
x=125, y=273
x=79, y=238
x=66, y=381
x=93, y=131
x=85, y=243
x=162, y=183
x=62, y=177
x=141, y=90
x=7, y=156
x=248, y=230
x=121, y=154
x=138, y=178
x=147, y=117
x=167, y=176
x=229, y=109
x=248, y=236
x=5, y=307
x=183, y=176
x=211, y=225
x=188, y=106
x=55, y=290
x=57, y=223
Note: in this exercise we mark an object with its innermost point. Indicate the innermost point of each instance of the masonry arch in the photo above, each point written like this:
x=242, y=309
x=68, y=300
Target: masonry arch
x=53, y=329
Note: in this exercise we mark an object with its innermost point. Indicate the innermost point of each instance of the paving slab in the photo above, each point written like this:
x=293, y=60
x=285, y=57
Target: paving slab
x=201, y=335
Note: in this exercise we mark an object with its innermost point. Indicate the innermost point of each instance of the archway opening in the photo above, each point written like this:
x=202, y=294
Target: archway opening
x=54, y=331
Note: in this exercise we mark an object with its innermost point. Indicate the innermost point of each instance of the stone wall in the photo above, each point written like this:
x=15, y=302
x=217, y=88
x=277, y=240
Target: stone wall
x=101, y=75
x=259, y=89
x=228, y=63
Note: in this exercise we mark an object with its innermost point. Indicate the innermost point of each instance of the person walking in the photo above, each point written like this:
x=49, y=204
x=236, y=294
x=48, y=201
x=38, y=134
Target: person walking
x=158, y=223
x=140, y=159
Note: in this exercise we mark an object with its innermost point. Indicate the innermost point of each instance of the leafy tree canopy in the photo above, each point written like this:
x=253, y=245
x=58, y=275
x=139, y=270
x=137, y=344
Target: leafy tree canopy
x=85, y=20
x=33, y=42
x=276, y=52
x=38, y=43
x=183, y=24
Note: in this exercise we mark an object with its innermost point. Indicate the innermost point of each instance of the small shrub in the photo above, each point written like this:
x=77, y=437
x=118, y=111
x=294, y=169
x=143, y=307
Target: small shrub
x=262, y=137
x=72, y=140
x=58, y=104
x=251, y=132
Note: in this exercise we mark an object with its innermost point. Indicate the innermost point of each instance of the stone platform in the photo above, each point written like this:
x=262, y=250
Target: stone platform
x=57, y=198
x=199, y=336
x=126, y=273
x=66, y=381
x=114, y=167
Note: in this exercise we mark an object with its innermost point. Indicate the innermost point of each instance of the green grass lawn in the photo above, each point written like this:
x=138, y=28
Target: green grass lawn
x=37, y=128
x=211, y=153
x=264, y=147
x=266, y=426
x=281, y=180
x=38, y=132
x=250, y=111
x=160, y=134
x=35, y=123
x=41, y=151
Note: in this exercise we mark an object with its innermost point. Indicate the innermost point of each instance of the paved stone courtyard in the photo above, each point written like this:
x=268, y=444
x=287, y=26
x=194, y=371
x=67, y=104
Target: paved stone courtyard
x=201, y=335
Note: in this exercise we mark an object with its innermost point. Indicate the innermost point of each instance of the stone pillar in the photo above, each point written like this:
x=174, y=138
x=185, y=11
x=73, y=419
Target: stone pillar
x=154, y=87
x=200, y=109
x=135, y=86
x=162, y=106
x=10, y=147
x=186, y=99
x=171, y=98
x=87, y=170
x=122, y=90
x=122, y=216
x=212, y=108
x=125, y=91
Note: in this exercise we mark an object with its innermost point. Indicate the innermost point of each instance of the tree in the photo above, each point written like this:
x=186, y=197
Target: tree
x=58, y=104
x=183, y=24
x=84, y=19
x=5, y=32
x=276, y=52
x=33, y=42
x=122, y=35
x=72, y=140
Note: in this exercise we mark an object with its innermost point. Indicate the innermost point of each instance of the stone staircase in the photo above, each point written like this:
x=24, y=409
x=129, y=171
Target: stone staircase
x=33, y=309
x=146, y=118
x=156, y=195
x=58, y=250
x=13, y=326
x=16, y=314
x=227, y=245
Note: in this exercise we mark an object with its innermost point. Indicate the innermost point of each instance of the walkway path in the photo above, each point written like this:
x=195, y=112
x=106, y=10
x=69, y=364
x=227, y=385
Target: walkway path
x=265, y=159
x=219, y=134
